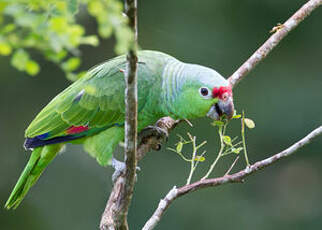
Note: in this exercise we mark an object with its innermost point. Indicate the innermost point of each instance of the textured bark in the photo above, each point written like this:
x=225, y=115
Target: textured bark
x=115, y=214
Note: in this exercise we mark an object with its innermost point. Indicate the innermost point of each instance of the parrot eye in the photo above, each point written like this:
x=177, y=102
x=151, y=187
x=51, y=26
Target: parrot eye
x=204, y=92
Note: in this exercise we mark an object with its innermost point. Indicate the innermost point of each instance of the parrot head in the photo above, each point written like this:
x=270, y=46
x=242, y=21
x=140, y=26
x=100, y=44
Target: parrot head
x=204, y=92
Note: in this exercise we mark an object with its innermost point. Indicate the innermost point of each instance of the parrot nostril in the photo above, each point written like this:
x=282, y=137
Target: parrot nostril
x=225, y=96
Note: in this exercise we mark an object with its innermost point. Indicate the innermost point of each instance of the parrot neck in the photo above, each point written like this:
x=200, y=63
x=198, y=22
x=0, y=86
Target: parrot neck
x=172, y=81
x=175, y=76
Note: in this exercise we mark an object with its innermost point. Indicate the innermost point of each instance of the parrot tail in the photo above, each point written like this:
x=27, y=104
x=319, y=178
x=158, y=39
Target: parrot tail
x=37, y=163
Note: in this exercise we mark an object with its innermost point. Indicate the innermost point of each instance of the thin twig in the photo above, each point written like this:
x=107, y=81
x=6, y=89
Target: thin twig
x=192, y=163
x=272, y=42
x=232, y=166
x=188, y=122
x=243, y=138
x=222, y=146
x=234, y=178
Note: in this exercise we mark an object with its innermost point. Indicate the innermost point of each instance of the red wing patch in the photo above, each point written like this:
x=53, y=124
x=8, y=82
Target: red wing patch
x=76, y=129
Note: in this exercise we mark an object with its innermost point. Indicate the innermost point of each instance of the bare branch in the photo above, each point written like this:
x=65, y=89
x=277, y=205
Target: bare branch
x=115, y=214
x=281, y=31
x=175, y=193
x=232, y=166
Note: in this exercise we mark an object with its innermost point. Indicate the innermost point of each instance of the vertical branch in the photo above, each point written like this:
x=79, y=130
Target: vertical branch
x=115, y=213
x=131, y=108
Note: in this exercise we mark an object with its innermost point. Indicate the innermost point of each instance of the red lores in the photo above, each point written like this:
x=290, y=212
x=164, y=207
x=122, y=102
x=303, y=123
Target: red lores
x=221, y=92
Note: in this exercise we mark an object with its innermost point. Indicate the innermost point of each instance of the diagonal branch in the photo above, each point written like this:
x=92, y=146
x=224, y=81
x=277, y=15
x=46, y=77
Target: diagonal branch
x=175, y=193
x=271, y=43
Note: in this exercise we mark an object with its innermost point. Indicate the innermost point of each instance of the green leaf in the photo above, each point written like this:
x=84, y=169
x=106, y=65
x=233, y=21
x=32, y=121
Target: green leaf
x=71, y=76
x=51, y=28
x=105, y=31
x=200, y=158
x=81, y=74
x=249, y=123
x=61, y=5
x=217, y=123
x=71, y=64
x=5, y=49
x=227, y=140
x=95, y=7
x=75, y=76
x=32, y=67
x=179, y=147
x=72, y=6
x=56, y=56
x=237, y=150
x=20, y=59
x=124, y=36
x=237, y=116
x=59, y=24
x=8, y=28
x=76, y=32
x=90, y=40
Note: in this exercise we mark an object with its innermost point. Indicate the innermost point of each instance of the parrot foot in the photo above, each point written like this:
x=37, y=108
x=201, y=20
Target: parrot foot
x=120, y=168
x=156, y=131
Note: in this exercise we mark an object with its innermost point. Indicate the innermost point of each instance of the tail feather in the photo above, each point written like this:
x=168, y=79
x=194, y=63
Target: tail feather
x=37, y=163
x=38, y=142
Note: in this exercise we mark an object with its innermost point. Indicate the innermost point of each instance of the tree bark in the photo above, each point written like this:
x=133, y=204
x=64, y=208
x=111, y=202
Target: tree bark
x=115, y=214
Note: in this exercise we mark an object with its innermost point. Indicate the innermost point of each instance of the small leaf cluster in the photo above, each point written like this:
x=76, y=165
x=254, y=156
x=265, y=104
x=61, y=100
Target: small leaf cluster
x=50, y=28
x=192, y=141
x=195, y=157
x=230, y=143
x=227, y=145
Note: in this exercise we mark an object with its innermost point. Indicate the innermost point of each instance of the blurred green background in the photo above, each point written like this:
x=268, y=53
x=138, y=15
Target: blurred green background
x=282, y=95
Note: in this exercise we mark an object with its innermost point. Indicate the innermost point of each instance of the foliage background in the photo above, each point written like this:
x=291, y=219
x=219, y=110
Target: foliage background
x=283, y=96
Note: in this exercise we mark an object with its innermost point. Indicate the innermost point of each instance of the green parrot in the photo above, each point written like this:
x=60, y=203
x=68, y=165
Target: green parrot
x=91, y=110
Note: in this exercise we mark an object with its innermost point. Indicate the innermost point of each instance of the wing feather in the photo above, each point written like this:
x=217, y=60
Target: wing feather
x=96, y=101
x=92, y=100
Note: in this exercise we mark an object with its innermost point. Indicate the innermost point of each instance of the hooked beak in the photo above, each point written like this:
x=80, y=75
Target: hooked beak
x=222, y=108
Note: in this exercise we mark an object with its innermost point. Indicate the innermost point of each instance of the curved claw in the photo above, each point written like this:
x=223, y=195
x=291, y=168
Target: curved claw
x=154, y=131
x=120, y=168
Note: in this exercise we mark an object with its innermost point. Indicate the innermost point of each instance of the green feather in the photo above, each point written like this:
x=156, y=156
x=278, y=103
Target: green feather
x=37, y=163
x=100, y=148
